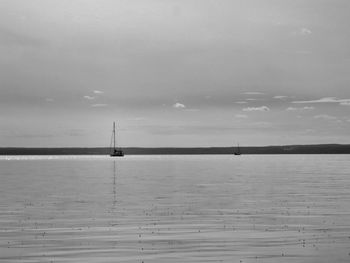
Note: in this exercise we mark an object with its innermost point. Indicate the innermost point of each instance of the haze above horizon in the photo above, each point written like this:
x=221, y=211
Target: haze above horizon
x=174, y=73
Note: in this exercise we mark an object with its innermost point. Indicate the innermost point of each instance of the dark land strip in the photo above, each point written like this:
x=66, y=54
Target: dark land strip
x=286, y=149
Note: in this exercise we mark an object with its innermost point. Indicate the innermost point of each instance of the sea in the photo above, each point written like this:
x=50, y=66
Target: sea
x=175, y=208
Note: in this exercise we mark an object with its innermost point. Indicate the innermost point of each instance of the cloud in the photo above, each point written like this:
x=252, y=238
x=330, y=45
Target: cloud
x=303, y=108
x=49, y=100
x=253, y=93
x=343, y=102
x=305, y=31
x=262, y=108
x=98, y=92
x=302, y=32
x=280, y=97
x=241, y=102
x=322, y=100
x=308, y=108
x=325, y=117
x=241, y=116
x=89, y=97
x=178, y=105
x=99, y=105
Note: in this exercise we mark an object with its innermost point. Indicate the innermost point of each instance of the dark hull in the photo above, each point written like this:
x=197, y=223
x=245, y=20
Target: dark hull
x=117, y=154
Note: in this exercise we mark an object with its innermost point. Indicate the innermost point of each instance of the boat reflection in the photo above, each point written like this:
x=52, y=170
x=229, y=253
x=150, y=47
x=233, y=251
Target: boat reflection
x=114, y=185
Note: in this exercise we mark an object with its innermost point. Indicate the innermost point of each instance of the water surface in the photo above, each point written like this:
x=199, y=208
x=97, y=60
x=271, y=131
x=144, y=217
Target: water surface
x=249, y=208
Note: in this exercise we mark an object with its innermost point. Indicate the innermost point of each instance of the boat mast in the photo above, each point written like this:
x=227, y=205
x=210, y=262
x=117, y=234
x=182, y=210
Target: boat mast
x=113, y=135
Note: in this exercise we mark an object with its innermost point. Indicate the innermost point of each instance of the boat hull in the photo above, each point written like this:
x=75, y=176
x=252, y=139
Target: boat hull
x=117, y=154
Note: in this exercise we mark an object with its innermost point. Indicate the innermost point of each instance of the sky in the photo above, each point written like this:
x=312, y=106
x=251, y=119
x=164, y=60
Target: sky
x=183, y=73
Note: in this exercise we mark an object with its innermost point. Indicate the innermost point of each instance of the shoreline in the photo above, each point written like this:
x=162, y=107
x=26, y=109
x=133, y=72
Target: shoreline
x=283, y=149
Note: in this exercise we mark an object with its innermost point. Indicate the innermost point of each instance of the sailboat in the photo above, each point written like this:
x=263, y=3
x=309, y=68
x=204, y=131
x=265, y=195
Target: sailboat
x=238, y=152
x=115, y=152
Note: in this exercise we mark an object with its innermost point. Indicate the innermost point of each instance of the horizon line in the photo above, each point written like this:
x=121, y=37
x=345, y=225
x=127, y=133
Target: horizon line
x=175, y=147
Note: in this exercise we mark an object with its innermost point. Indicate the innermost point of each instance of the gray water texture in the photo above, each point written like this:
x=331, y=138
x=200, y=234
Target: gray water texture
x=207, y=208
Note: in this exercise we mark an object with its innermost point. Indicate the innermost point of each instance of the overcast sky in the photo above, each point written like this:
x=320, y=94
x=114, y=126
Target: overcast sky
x=174, y=73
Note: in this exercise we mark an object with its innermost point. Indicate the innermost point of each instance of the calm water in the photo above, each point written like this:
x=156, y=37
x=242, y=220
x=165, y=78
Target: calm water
x=249, y=208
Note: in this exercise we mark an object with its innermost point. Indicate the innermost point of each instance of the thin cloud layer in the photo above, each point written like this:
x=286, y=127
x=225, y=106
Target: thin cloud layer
x=303, y=108
x=262, y=108
x=301, y=32
x=325, y=117
x=308, y=108
x=345, y=103
x=325, y=100
x=305, y=31
x=178, y=105
x=280, y=97
x=98, y=105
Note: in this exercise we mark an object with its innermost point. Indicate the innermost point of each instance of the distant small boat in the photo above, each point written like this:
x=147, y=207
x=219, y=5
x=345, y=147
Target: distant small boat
x=238, y=151
x=114, y=151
